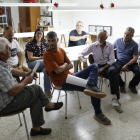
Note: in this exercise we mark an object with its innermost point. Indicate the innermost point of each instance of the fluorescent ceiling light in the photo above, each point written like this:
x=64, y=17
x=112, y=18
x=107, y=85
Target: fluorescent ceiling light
x=36, y=4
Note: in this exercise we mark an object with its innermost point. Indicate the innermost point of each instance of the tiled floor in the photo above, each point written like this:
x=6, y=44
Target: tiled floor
x=80, y=124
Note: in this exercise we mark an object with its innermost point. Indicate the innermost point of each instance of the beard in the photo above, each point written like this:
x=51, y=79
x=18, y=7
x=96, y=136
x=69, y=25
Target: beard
x=10, y=40
x=100, y=43
x=53, y=46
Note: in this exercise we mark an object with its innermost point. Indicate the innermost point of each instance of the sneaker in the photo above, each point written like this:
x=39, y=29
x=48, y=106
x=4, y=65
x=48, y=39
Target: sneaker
x=102, y=118
x=116, y=105
x=122, y=89
x=133, y=89
x=43, y=131
x=57, y=106
x=94, y=92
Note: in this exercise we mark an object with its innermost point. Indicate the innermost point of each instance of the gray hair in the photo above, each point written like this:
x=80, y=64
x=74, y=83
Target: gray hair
x=3, y=43
x=79, y=22
x=130, y=29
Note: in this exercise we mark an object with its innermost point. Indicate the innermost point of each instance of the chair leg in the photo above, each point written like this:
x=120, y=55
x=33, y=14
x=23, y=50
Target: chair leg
x=125, y=79
x=25, y=125
x=52, y=92
x=58, y=96
x=39, y=78
x=79, y=100
x=66, y=105
x=20, y=120
x=101, y=83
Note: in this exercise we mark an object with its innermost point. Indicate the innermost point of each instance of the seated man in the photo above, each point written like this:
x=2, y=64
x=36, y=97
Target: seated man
x=138, y=42
x=103, y=55
x=78, y=37
x=57, y=65
x=16, y=59
x=127, y=56
x=15, y=96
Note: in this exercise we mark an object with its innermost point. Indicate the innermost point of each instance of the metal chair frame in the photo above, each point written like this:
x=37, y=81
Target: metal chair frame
x=15, y=113
x=60, y=89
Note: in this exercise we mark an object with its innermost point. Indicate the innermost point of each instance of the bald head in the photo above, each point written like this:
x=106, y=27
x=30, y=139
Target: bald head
x=8, y=33
x=102, y=36
x=3, y=43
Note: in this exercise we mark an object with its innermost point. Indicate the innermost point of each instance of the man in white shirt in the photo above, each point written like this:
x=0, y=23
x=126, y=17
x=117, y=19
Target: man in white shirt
x=16, y=59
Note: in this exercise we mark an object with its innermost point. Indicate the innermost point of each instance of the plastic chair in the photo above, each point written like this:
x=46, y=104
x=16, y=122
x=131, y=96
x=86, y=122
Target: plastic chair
x=15, y=113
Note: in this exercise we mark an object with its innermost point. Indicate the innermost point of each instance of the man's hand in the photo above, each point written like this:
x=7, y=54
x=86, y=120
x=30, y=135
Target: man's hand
x=84, y=36
x=29, y=79
x=125, y=68
x=20, y=68
x=85, y=64
x=101, y=70
x=34, y=76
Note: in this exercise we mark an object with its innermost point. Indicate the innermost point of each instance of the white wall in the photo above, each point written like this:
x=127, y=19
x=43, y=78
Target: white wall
x=15, y=16
x=107, y=2
x=118, y=19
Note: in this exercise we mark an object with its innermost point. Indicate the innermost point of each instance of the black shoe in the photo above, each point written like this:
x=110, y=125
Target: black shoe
x=133, y=89
x=56, y=107
x=43, y=131
x=122, y=89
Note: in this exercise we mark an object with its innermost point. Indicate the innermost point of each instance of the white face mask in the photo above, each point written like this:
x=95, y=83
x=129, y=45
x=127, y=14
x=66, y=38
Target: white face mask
x=100, y=43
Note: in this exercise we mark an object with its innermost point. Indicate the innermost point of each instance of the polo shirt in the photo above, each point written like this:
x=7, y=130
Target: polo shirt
x=125, y=51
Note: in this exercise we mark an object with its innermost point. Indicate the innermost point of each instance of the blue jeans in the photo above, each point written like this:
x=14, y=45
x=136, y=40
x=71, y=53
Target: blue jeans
x=47, y=82
x=113, y=77
x=90, y=72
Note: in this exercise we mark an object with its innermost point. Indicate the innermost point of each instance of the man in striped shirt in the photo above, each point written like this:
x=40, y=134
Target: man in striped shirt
x=15, y=96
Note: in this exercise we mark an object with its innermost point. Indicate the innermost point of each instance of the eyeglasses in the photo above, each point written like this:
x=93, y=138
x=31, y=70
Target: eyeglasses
x=39, y=33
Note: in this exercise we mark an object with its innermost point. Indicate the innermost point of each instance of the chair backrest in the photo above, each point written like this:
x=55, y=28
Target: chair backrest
x=90, y=59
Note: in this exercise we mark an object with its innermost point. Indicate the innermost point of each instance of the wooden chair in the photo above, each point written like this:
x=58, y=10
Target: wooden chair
x=18, y=113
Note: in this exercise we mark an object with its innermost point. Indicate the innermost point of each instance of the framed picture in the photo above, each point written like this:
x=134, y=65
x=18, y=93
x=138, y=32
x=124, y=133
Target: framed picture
x=98, y=28
x=45, y=12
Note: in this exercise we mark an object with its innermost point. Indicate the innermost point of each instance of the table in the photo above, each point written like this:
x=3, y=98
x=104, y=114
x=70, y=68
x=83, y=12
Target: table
x=72, y=53
x=31, y=34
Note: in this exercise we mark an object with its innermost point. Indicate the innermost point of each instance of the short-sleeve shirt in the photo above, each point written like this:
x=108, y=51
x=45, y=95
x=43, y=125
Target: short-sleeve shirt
x=54, y=59
x=78, y=42
x=35, y=49
x=125, y=51
x=13, y=60
x=7, y=82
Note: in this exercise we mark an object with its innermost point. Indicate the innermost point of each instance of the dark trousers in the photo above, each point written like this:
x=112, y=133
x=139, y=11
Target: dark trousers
x=32, y=97
x=113, y=77
x=90, y=72
x=117, y=66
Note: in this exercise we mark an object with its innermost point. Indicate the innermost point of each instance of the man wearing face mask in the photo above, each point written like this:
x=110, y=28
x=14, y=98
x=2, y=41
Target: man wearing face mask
x=103, y=55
